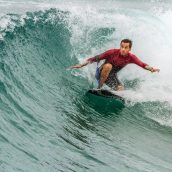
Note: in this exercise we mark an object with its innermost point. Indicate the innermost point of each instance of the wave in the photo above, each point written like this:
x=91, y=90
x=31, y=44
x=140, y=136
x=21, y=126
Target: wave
x=41, y=44
x=43, y=105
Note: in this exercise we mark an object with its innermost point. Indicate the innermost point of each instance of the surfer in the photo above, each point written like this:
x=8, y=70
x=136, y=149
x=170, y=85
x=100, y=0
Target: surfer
x=115, y=60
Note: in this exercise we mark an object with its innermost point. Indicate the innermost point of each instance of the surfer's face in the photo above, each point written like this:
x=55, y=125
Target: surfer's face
x=124, y=48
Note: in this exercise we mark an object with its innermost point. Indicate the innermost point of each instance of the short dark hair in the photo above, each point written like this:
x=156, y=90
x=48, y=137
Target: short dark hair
x=127, y=41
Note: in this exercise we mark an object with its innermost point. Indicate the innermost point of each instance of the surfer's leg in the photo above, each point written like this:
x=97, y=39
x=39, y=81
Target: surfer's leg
x=106, y=68
x=113, y=81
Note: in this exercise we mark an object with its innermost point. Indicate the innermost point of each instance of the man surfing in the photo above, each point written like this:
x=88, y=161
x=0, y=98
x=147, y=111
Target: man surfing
x=115, y=60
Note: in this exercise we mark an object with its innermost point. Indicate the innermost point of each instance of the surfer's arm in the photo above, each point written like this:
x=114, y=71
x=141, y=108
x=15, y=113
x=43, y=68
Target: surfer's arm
x=79, y=65
x=102, y=56
x=138, y=62
x=96, y=58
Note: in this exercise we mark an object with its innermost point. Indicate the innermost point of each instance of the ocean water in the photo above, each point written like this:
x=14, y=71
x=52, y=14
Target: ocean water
x=47, y=124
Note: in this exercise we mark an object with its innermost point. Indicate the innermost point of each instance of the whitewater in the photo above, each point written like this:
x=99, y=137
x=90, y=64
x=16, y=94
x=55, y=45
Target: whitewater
x=46, y=121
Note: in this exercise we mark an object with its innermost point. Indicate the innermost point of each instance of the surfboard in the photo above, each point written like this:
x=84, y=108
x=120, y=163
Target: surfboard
x=105, y=97
x=105, y=93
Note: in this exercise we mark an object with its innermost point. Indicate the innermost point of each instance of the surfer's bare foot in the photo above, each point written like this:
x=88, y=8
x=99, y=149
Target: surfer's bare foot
x=99, y=90
x=119, y=88
x=99, y=87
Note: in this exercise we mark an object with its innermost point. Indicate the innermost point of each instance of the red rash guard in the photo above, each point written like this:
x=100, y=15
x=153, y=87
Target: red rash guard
x=114, y=57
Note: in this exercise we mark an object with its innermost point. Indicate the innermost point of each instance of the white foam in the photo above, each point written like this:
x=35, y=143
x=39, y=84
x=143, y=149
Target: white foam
x=150, y=34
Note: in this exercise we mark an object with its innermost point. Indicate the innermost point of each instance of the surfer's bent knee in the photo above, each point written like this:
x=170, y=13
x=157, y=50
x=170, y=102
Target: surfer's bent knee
x=107, y=67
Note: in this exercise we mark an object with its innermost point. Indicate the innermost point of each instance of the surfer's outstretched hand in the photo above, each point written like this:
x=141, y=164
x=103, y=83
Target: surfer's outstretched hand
x=76, y=66
x=152, y=69
x=79, y=65
x=155, y=70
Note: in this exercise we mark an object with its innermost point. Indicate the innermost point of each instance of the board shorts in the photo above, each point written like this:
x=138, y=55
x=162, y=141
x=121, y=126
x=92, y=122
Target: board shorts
x=112, y=80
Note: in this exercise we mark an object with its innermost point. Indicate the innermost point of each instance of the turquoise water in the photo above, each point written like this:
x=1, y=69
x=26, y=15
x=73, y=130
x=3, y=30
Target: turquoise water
x=46, y=121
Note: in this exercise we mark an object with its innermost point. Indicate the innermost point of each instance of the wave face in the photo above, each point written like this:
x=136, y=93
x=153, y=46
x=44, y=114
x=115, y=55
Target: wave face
x=47, y=122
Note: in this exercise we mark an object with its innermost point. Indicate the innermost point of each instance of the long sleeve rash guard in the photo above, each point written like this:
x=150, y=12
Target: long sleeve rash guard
x=114, y=57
